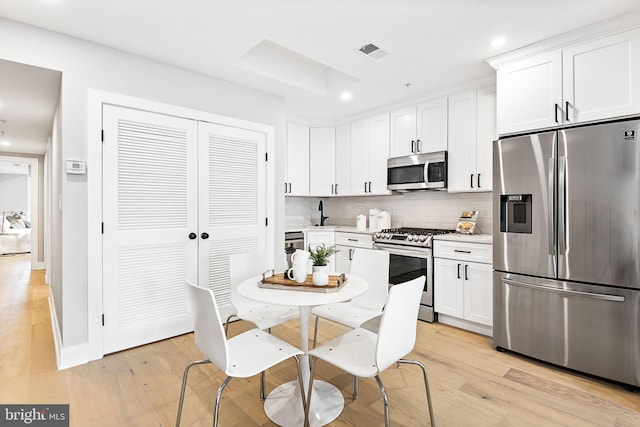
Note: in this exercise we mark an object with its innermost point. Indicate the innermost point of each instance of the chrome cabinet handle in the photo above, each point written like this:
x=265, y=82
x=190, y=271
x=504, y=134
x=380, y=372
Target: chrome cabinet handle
x=556, y=111
x=472, y=180
x=466, y=272
x=459, y=271
x=566, y=110
x=413, y=146
x=419, y=146
x=479, y=180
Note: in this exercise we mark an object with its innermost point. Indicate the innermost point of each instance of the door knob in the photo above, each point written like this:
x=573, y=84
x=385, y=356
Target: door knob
x=192, y=236
x=205, y=236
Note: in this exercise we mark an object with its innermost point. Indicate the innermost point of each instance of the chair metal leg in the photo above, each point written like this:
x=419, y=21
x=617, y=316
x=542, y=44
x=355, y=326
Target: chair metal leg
x=315, y=332
x=355, y=388
x=386, y=401
x=263, y=388
x=215, y=408
x=184, y=386
x=426, y=386
x=312, y=364
x=226, y=324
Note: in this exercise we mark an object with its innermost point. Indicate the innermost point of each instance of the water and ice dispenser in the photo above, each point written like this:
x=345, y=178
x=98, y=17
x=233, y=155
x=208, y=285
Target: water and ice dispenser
x=515, y=213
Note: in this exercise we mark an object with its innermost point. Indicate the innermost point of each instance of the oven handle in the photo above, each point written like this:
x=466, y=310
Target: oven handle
x=393, y=249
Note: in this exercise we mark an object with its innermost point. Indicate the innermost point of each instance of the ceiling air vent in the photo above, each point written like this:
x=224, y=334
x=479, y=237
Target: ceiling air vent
x=373, y=51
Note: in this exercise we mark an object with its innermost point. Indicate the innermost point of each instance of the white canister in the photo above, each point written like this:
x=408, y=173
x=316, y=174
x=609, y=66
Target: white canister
x=361, y=222
x=373, y=219
x=384, y=220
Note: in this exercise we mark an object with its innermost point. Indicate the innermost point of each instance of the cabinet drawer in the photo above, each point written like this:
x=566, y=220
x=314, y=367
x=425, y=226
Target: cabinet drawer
x=354, y=239
x=319, y=237
x=474, y=252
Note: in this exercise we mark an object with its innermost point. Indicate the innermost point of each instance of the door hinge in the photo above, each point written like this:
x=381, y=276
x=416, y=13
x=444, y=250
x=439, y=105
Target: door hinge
x=102, y=135
x=102, y=319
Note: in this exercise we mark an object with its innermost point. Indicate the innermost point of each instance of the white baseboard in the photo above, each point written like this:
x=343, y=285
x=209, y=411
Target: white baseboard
x=37, y=266
x=66, y=357
x=465, y=324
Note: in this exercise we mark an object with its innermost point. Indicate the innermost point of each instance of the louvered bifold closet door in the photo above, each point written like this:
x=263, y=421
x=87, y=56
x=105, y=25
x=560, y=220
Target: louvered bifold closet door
x=232, y=207
x=149, y=209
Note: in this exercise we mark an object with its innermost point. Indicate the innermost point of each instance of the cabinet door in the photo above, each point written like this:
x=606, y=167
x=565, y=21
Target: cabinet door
x=462, y=142
x=297, y=173
x=322, y=155
x=478, y=293
x=359, y=157
x=530, y=93
x=448, y=287
x=378, y=154
x=343, y=259
x=431, y=126
x=485, y=135
x=343, y=161
x=601, y=79
x=403, y=132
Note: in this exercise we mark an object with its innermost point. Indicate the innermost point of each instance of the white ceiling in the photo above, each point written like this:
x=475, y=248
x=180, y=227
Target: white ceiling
x=433, y=44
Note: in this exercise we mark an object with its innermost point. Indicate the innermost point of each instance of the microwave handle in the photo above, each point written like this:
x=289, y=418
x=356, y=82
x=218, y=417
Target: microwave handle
x=426, y=172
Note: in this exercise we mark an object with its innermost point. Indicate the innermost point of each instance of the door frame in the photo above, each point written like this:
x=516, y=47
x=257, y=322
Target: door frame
x=34, y=207
x=95, y=100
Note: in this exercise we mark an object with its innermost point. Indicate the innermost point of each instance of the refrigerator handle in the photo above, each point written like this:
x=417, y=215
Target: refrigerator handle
x=551, y=207
x=562, y=205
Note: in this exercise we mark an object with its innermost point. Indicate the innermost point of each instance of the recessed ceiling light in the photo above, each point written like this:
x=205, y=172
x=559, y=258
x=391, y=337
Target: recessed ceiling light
x=345, y=96
x=498, y=41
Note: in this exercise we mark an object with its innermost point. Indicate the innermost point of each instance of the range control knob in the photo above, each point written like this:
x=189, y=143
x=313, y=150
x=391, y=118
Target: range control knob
x=376, y=234
x=423, y=238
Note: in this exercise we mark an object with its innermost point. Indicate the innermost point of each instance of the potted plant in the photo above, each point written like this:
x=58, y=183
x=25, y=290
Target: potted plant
x=319, y=257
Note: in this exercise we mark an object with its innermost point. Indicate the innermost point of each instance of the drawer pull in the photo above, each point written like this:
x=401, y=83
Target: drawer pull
x=352, y=240
x=461, y=251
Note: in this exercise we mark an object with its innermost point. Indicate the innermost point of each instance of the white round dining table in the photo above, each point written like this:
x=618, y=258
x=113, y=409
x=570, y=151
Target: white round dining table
x=283, y=406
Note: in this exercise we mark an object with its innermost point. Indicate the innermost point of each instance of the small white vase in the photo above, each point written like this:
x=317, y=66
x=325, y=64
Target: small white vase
x=320, y=275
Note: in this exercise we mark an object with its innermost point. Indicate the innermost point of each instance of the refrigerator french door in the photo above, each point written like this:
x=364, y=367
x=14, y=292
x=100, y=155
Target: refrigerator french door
x=566, y=248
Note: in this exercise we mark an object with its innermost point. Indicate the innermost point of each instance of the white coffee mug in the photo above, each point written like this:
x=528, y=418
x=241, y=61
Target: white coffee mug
x=299, y=271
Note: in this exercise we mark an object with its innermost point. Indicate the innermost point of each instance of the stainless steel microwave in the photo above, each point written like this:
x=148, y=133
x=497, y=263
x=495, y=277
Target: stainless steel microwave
x=417, y=172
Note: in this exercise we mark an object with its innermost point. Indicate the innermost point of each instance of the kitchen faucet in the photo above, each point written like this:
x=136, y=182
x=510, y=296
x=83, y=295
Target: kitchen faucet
x=322, y=217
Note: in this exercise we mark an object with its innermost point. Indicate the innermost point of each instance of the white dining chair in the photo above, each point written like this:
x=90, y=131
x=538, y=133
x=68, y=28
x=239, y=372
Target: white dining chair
x=366, y=354
x=373, y=266
x=242, y=356
x=244, y=266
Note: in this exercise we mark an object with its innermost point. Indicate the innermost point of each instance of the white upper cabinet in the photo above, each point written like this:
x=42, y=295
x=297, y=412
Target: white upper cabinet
x=472, y=130
x=601, y=79
x=419, y=129
x=297, y=164
x=530, y=93
x=343, y=161
x=322, y=161
x=594, y=80
x=369, y=153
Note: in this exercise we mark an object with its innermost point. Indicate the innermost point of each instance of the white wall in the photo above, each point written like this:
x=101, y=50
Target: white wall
x=13, y=192
x=86, y=65
x=424, y=209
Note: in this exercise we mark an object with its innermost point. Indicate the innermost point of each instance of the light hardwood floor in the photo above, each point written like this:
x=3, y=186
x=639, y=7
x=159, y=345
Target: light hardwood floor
x=472, y=384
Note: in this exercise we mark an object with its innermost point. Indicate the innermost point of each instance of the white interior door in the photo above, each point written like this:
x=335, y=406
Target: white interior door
x=149, y=209
x=232, y=204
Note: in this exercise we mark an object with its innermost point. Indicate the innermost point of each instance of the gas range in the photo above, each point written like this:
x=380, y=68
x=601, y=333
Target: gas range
x=405, y=236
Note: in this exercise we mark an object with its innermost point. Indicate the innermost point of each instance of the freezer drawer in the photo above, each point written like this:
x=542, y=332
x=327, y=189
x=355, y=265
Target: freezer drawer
x=589, y=328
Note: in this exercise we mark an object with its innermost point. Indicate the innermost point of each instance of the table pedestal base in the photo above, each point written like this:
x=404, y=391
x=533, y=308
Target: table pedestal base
x=283, y=406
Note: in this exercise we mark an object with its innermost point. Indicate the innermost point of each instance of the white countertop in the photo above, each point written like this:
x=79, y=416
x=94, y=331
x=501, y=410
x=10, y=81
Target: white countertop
x=469, y=238
x=338, y=228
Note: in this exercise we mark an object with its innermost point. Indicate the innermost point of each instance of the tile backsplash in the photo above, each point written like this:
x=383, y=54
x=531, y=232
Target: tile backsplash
x=426, y=209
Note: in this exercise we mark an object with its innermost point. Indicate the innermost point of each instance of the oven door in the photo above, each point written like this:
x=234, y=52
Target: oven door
x=407, y=263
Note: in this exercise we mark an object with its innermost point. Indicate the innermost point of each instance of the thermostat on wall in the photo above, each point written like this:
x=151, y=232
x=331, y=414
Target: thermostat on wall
x=76, y=167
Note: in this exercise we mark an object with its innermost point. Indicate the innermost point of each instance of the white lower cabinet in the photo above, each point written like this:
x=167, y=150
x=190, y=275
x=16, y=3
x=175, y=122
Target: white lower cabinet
x=463, y=286
x=346, y=244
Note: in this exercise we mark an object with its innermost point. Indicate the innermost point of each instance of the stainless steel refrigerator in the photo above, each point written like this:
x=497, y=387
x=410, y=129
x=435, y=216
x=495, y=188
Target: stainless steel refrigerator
x=567, y=248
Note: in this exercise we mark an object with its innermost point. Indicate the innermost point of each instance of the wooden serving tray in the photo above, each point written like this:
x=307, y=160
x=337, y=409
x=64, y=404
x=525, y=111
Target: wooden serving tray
x=279, y=281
